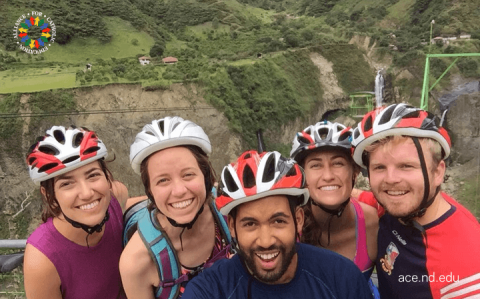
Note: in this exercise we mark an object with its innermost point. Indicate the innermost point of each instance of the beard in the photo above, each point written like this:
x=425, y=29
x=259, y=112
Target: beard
x=269, y=277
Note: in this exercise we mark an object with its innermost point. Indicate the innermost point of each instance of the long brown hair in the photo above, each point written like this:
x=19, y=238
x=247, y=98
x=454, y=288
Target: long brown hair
x=50, y=207
x=203, y=163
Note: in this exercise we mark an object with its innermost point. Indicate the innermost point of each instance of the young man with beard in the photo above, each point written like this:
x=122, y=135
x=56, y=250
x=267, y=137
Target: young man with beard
x=427, y=241
x=261, y=194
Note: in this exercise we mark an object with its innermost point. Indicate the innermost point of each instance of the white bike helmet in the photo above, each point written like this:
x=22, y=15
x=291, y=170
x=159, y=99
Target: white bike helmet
x=164, y=133
x=322, y=134
x=62, y=150
x=397, y=119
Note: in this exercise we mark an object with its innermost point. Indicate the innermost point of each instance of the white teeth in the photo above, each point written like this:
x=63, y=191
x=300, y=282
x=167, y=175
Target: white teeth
x=396, y=192
x=268, y=256
x=182, y=204
x=90, y=205
x=329, y=188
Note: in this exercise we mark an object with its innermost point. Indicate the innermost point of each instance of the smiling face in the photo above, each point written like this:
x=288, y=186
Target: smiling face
x=266, y=235
x=329, y=176
x=396, y=176
x=83, y=194
x=176, y=183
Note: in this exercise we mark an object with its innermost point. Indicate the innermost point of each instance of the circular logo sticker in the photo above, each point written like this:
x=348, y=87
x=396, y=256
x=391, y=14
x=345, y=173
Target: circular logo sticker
x=34, y=32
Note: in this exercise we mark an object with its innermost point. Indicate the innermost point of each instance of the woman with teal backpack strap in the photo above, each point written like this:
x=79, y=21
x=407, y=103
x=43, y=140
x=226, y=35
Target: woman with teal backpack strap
x=177, y=232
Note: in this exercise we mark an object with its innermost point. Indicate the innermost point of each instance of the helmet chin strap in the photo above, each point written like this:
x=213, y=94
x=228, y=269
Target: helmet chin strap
x=188, y=225
x=88, y=229
x=337, y=212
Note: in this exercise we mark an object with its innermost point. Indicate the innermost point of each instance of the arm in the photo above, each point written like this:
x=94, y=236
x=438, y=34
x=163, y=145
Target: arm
x=138, y=271
x=40, y=276
x=371, y=223
x=133, y=200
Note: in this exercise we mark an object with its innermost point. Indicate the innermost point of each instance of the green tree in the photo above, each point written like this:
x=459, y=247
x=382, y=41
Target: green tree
x=157, y=49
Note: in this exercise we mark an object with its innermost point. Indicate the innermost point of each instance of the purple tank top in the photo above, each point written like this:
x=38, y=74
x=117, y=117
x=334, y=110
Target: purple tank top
x=85, y=272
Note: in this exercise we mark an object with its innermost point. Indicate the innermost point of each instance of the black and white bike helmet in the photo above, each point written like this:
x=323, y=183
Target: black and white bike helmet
x=322, y=134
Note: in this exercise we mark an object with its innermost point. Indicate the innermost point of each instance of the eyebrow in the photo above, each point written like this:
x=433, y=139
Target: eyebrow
x=276, y=215
x=333, y=157
x=67, y=177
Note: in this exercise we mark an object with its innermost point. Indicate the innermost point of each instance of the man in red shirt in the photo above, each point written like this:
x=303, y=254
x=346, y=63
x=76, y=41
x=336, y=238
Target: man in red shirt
x=427, y=241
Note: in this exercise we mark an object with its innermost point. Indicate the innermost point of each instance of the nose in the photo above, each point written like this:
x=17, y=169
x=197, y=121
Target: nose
x=327, y=173
x=178, y=188
x=85, y=190
x=265, y=237
x=391, y=176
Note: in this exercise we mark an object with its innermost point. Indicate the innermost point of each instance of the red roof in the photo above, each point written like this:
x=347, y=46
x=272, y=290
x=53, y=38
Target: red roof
x=170, y=59
x=144, y=57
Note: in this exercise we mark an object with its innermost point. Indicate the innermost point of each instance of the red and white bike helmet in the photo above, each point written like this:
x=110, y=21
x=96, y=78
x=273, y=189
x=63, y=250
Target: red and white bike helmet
x=255, y=176
x=62, y=150
x=321, y=134
x=397, y=119
x=164, y=133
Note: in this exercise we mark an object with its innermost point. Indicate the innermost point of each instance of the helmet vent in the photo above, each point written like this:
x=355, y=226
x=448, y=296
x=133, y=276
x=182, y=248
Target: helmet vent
x=248, y=177
x=308, y=131
x=71, y=159
x=344, y=136
x=356, y=133
x=49, y=150
x=414, y=114
x=161, y=126
x=77, y=140
x=30, y=150
x=174, y=126
x=269, y=172
x=47, y=167
x=59, y=136
x=368, y=124
x=387, y=115
x=323, y=132
x=303, y=140
x=91, y=150
x=149, y=133
x=31, y=160
x=291, y=172
x=247, y=156
x=229, y=181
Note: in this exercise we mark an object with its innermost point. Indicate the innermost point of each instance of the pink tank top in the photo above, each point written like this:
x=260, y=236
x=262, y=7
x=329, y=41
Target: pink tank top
x=362, y=260
x=85, y=272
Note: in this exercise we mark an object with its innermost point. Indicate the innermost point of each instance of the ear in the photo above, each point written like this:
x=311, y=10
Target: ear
x=439, y=173
x=231, y=226
x=300, y=217
x=43, y=191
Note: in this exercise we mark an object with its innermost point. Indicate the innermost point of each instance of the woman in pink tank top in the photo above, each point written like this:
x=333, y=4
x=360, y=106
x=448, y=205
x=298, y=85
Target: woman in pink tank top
x=332, y=219
x=76, y=251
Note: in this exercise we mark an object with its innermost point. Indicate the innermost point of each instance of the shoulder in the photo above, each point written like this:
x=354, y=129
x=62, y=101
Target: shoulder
x=462, y=213
x=370, y=214
x=138, y=270
x=217, y=281
x=40, y=274
x=120, y=192
x=336, y=273
x=135, y=258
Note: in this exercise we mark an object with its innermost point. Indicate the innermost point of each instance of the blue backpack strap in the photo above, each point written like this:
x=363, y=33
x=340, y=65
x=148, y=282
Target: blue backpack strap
x=130, y=219
x=162, y=252
x=222, y=220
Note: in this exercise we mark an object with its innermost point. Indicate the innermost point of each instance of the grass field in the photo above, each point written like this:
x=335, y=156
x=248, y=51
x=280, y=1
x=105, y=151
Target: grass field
x=89, y=49
x=37, y=83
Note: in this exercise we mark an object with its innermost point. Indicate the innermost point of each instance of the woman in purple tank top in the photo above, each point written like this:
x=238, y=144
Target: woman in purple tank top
x=332, y=219
x=76, y=251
